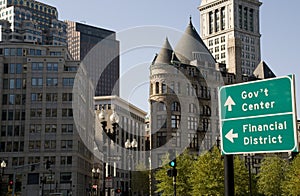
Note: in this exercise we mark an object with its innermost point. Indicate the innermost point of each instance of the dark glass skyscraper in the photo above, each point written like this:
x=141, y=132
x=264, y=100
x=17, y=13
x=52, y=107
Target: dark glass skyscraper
x=99, y=50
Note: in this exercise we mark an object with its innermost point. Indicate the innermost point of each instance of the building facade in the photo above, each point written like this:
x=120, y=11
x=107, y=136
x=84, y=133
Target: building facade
x=224, y=20
x=32, y=21
x=183, y=95
x=118, y=161
x=99, y=50
x=40, y=140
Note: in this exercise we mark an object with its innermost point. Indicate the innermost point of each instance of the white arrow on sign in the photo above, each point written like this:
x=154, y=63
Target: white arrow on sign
x=230, y=135
x=229, y=102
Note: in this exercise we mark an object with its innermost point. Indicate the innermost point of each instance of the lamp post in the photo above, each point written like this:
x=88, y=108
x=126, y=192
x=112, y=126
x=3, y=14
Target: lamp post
x=95, y=175
x=112, y=134
x=131, y=146
x=249, y=160
x=3, y=166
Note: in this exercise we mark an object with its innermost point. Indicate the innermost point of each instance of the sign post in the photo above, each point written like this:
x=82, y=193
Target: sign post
x=258, y=116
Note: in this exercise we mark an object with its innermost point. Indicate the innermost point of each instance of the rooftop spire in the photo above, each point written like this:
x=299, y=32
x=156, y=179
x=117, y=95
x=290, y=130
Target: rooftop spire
x=165, y=56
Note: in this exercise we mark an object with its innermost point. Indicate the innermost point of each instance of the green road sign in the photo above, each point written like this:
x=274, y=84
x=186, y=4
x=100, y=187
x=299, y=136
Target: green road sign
x=258, y=116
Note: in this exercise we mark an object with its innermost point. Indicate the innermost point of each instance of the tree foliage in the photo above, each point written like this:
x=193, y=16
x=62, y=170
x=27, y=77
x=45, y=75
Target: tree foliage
x=271, y=176
x=140, y=180
x=291, y=184
x=241, y=177
x=207, y=176
x=165, y=183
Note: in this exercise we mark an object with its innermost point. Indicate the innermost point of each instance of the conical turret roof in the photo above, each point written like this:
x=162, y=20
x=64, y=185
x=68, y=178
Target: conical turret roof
x=191, y=47
x=166, y=54
x=263, y=71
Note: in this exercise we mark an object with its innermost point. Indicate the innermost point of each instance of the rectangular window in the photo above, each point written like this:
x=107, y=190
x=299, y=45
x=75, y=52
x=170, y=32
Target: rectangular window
x=50, y=128
x=211, y=22
x=5, y=68
x=51, y=97
x=6, y=51
x=33, y=178
x=67, y=128
x=50, y=145
x=37, y=81
x=37, y=66
x=51, y=112
x=161, y=121
x=251, y=22
x=67, y=112
x=66, y=144
x=36, y=97
x=52, y=67
x=175, y=119
x=192, y=123
x=18, y=83
x=240, y=17
x=51, y=82
x=19, y=52
x=67, y=96
x=217, y=20
x=161, y=138
x=66, y=160
x=222, y=18
x=5, y=83
x=36, y=112
x=35, y=128
x=11, y=83
x=10, y=115
x=246, y=18
x=65, y=177
x=12, y=68
x=68, y=81
x=34, y=145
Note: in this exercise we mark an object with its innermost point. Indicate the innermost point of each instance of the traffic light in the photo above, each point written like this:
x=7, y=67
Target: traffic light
x=172, y=172
x=118, y=190
x=10, y=184
x=173, y=163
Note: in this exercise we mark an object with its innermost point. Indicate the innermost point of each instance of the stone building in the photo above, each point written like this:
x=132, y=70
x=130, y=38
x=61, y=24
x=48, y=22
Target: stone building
x=183, y=95
x=38, y=120
x=224, y=20
x=120, y=162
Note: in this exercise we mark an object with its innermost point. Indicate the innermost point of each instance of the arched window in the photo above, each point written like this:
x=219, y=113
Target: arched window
x=161, y=106
x=163, y=88
x=175, y=106
x=192, y=108
x=157, y=87
x=151, y=89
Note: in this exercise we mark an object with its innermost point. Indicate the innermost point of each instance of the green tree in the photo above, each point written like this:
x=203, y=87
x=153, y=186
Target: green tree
x=140, y=180
x=271, y=176
x=241, y=177
x=165, y=183
x=207, y=176
x=184, y=169
x=291, y=184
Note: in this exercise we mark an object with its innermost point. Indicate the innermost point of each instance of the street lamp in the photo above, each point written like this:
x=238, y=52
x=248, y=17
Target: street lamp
x=96, y=173
x=132, y=146
x=112, y=134
x=3, y=166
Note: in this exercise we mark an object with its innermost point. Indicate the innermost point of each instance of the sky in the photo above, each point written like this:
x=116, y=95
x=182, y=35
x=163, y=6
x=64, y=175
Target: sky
x=150, y=22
